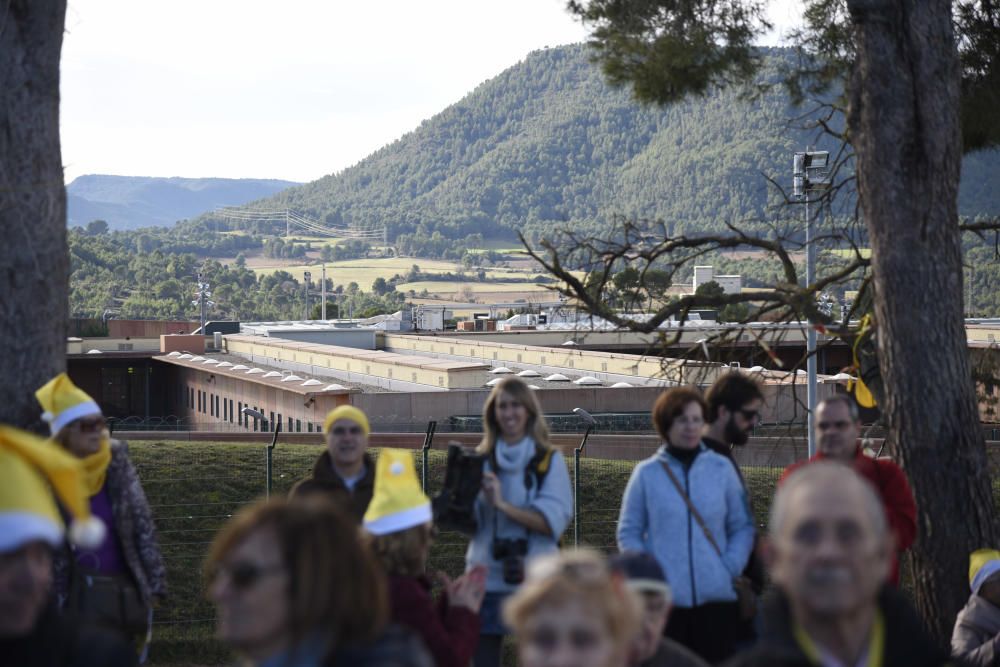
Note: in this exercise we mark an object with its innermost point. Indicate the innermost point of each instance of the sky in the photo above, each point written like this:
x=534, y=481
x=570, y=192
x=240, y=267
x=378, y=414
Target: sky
x=293, y=90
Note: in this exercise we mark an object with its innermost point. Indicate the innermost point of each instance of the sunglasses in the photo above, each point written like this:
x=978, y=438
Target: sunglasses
x=243, y=575
x=90, y=425
x=344, y=430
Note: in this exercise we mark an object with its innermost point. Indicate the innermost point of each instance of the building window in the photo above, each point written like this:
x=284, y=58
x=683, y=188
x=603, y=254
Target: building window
x=298, y=426
x=239, y=415
x=310, y=425
x=289, y=424
x=230, y=411
x=216, y=405
x=272, y=421
x=211, y=405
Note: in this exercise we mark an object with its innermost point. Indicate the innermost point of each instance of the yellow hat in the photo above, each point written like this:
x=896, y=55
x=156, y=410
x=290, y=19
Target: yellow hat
x=398, y=503
x=983, y=564
x=346, y=412
x=64, y=402
x=29, y=465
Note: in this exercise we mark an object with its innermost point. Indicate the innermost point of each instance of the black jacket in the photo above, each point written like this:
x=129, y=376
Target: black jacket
x=325, y=480
x=60, y=641
x=906, y=642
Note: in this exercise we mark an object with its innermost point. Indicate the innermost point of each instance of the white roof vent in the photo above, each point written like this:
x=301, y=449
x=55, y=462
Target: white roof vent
x=529, y=374
x=272, y=374
x=334, y=387
x=197, y=358
x=225, y=364
x=210, y=362
x=185, y=356
x=291, y=378
x=493, y=382
x=588, y=380
x=621, y=385
x=255, y=371
x=570, y=343
x=756, y=369
x=557, y=377
x=501, y=370
x=94, y=352
x=174, y=354
x=240, y=367
x=533, y=386
x=311, y=383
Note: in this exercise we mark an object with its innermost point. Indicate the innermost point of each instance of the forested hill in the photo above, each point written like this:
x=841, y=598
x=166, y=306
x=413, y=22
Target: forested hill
x=130, y=202
x=547, y=142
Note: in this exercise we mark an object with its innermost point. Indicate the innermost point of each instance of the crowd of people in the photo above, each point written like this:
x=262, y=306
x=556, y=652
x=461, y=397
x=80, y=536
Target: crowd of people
x=337, y=572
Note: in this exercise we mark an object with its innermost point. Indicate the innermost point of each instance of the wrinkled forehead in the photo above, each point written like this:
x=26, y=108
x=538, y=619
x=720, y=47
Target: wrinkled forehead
x=826, y=503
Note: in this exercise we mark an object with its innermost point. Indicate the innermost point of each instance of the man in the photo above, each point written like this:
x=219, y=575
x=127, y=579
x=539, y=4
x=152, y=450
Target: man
x=837, y=429
x=32, y=633
x=734, y=404
x=829, y=553
x=644, y=577
x=345, y=472
x=976, y=637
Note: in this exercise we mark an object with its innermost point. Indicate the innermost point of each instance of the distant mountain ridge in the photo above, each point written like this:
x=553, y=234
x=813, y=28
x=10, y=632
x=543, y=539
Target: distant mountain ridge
x=130, y=202
x=548, y=144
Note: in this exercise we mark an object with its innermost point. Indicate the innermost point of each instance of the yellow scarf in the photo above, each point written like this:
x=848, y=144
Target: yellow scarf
x=876, y=646
x=95, y=468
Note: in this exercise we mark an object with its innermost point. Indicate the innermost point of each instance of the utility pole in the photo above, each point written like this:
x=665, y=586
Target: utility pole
x=323, y=307
x=288, y=225
x=307, y=278
x=809, y=174
x=202, y=300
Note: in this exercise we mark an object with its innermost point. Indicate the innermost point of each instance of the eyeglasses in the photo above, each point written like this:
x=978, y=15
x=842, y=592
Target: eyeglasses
x=244, y=575
x=90, y=425
x=343, y=430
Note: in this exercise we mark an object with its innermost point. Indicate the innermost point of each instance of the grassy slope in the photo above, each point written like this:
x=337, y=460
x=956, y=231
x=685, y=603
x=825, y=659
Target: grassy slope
x=194, y=488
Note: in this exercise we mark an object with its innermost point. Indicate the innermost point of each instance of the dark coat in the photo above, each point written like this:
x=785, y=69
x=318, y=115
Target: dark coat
x=325, y=480
x=673, y=654
x=451, y=634
x=134, y=526
x=60, y=641
x=397, y=647
x=975, y=635
x=906, y=642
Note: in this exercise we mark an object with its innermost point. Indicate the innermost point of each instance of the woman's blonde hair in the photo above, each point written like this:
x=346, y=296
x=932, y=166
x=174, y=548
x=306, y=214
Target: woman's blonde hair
x=536, y=427
x=581, y=578
x=403, y=553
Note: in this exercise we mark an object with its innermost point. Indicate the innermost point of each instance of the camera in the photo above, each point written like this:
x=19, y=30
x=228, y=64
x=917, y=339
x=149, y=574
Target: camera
x=511, y=555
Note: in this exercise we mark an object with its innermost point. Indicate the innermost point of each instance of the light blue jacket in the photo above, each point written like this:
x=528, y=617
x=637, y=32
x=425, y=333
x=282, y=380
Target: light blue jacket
x=554, y=501
x=655, y=519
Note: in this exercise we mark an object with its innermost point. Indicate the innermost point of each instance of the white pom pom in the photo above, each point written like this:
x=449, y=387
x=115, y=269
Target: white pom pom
x=88, y=533
x=396, y=468
x=48, y=416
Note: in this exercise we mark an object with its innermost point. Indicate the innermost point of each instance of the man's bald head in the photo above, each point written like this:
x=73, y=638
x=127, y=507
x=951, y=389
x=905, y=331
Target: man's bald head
x=830, y=543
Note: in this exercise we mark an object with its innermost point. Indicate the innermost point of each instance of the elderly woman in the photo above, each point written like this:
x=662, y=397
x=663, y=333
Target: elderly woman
x=115, y=582
x=686, y=506
x=294, y=587
x=572, y=611
x=399, y=531
x=525, y=504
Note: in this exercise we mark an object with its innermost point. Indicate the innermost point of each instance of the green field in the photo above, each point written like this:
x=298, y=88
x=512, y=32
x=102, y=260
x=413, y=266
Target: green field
x=848, y=253
x=194, y=488
x=450, y=287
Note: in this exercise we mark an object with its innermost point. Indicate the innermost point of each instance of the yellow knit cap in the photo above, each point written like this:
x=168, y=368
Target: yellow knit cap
x=398, y=503
x=28, y=466
x=983, y=564
x=64, y=402
x=346, y=412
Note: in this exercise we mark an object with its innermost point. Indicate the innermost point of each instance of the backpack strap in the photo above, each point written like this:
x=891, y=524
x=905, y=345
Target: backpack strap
x=539, y=466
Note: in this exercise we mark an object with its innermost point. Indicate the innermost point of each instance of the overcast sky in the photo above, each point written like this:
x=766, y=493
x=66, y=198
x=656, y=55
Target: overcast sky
x=295, y=90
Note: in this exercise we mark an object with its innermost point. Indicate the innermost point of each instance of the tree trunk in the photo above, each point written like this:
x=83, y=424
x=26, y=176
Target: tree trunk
x=34, y=260
x=904, y=124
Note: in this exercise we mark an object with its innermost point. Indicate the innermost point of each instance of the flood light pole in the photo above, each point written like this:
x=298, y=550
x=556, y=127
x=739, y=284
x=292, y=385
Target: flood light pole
x=809, y=174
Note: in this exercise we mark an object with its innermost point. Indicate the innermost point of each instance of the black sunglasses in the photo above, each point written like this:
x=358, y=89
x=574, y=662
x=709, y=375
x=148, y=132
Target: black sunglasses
x=244, y=575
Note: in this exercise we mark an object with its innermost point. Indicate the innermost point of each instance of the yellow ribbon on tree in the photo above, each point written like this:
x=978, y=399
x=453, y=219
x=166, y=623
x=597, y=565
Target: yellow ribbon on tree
x=857, y=386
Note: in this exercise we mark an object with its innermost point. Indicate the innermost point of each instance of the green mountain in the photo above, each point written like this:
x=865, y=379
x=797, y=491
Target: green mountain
x=548, y=144
x=131, y=202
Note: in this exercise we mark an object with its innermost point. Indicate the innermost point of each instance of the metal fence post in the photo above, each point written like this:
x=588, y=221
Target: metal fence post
x=270, y=458
x=576, y=485
x=424, y=453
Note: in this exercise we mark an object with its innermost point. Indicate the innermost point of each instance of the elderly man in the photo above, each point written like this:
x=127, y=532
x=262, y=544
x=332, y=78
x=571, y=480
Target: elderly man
x=837, y=429
x=830, y=555
x=345, y=472
x=644, y=577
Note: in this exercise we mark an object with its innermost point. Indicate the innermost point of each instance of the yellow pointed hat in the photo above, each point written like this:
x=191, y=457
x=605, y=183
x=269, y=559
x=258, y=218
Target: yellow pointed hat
x=64, y=402
x=398, y=503
x=31, y=468
x=983, y=564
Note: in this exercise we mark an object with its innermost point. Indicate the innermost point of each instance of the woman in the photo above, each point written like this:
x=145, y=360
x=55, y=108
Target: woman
x=398, y=528
x=126, y=565
x=294, y=587
x=525, y=504
x=655, y=518
x=572, y=611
